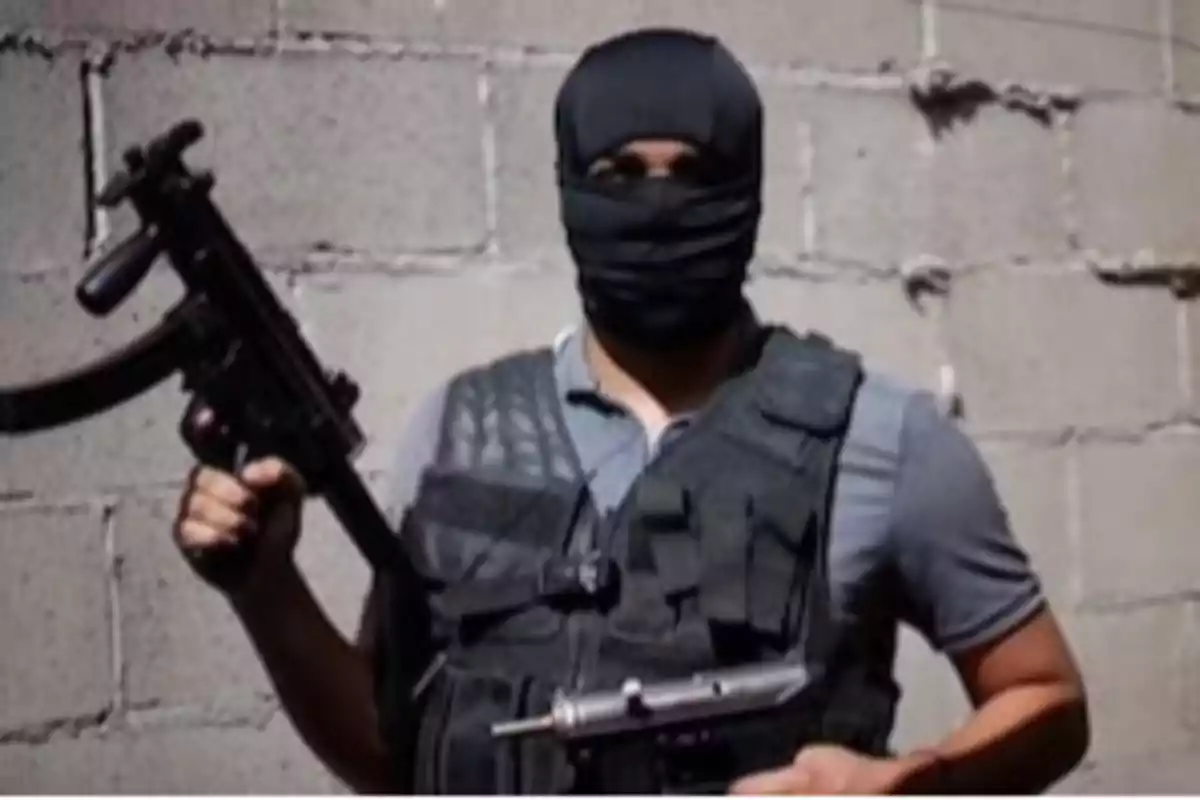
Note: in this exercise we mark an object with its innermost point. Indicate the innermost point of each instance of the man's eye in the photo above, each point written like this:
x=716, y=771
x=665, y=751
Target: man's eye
x=625, y=169
x=612, y=173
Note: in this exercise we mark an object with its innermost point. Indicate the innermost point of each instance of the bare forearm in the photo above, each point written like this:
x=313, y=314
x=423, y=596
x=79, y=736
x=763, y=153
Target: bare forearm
x=324, y=683
x=1020, y=742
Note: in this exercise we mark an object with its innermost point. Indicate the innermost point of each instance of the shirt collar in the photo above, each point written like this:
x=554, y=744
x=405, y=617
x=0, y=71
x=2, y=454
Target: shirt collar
x=571, y=368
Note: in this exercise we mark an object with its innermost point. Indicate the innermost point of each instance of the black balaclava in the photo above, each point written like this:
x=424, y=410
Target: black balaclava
x=661, y=262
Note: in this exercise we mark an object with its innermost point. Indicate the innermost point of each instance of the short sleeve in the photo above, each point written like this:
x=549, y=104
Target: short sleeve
x=965, y=579
x=414, y=452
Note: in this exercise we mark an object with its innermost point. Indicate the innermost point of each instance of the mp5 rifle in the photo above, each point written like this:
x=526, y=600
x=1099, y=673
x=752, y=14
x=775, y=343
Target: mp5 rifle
x=238, y=350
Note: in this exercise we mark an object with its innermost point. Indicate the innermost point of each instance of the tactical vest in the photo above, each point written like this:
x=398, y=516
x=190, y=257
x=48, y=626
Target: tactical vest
x=716, y=557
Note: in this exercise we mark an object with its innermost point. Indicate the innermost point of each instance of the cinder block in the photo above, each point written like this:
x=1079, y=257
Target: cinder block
x=861, y=36
x=132, y=443
x=1032, y=483
x=224, y=18
x=58, y=662
x=866, y=36
x=932, y=702
x=1137, y=179
x=997, y=192
x=1190, y=656
x=988, y=191
x=42, y=163
x=875, y=319
x=1103, y=44
x=87, y=765
x=235, y=760
x=1139, y=674
x=21, y=13
x=1176, y=773
x=1040, y=352
x=784, y=232
x=538, y=24
x=321, y=150
x=870, y=175
x=402, y=337
x=1192, y=367
x=242, y=760
x=181, y=642
x=1185, y=32
x=412, y=19
x=1139, y=510
x=530, y=227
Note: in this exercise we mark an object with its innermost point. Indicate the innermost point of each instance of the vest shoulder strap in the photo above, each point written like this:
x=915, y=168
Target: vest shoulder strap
x=505, y=417
x=806, y=382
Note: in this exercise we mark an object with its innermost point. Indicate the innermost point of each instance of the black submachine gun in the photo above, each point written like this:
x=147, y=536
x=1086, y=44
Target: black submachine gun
x=238, y=350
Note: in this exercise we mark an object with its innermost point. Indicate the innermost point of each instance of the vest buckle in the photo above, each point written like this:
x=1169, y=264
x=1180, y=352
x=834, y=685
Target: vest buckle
x=587, y=578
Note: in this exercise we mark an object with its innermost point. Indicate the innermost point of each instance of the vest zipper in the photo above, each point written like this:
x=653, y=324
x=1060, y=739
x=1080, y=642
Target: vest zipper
x=594, y=534
x=517, y=748
x=579, y=625
x=580, y=622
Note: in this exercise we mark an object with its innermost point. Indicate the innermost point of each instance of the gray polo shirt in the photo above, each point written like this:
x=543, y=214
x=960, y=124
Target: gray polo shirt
x=919, y=535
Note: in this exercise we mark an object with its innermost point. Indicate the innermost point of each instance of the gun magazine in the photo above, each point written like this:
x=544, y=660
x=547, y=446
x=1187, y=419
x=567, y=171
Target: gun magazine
x=99, y=386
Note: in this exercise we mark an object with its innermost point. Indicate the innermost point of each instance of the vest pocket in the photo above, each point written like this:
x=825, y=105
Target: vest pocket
x=758, y=558
x=501, y=610
x=780, y=569
x=481, y=549
x=643, y=615
x=480, y=586
x=456, y=753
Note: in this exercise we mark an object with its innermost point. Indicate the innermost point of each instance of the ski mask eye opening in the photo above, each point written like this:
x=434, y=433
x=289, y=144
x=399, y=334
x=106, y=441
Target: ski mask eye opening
x=673, y=159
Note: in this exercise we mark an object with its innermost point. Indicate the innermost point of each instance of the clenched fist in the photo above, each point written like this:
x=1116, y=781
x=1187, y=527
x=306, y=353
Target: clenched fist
x=237, y=529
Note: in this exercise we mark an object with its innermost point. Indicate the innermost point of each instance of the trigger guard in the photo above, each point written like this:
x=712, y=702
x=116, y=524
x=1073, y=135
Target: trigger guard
x=214, y=445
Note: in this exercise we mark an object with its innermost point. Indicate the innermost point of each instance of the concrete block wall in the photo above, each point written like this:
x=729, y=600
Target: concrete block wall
x=389, y=161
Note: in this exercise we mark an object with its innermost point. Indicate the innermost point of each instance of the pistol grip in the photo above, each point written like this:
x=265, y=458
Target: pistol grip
x=209, y=438
x=214, y=444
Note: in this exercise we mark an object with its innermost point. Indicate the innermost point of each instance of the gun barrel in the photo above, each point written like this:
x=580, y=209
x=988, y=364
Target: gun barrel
x=523, y=727
x=646, y=708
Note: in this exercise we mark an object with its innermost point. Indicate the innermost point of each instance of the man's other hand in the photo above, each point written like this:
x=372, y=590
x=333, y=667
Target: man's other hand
x=832, y=770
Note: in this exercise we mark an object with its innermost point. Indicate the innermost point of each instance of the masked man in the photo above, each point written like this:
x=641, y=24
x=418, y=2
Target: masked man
x=673, y=487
